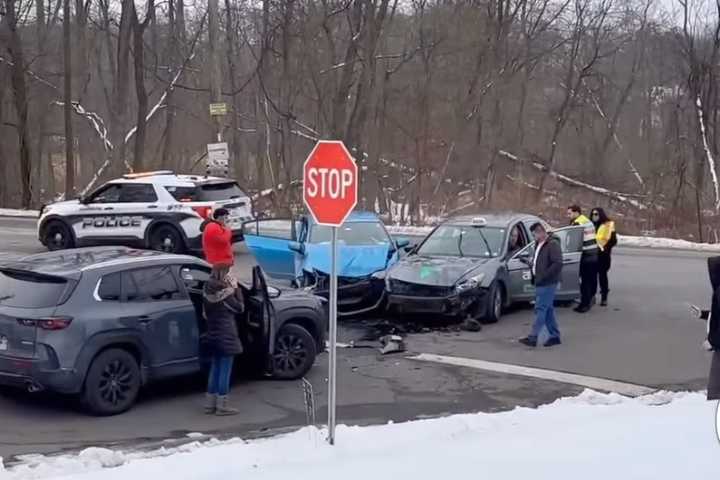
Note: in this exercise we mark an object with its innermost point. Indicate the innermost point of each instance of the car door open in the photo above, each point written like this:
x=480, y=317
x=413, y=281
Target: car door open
x=571, y=241
x=270, y=241
x=521, y=288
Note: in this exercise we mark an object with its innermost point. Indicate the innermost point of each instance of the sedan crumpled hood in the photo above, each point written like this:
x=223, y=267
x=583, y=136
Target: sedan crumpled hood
x=435, y=271
x=353, y=261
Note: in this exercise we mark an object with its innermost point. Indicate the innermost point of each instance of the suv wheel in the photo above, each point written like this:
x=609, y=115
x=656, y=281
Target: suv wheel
x=112, y=383
x=57, y=236
x=294, y=354
x=166, y=238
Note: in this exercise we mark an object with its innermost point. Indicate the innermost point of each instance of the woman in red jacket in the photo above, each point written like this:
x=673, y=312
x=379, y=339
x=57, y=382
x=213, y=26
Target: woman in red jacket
x=217, y=240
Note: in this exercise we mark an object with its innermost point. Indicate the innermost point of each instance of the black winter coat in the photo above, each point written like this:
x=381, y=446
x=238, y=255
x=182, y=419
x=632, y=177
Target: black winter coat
x=714, y=329
x=549, y=264
x=222, y=303
x=714, y=324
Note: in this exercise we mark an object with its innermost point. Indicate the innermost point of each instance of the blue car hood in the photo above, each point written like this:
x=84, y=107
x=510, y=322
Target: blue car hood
x=353, y=261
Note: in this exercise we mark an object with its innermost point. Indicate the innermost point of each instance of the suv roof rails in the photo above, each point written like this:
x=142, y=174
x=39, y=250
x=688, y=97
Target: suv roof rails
x=130, y=176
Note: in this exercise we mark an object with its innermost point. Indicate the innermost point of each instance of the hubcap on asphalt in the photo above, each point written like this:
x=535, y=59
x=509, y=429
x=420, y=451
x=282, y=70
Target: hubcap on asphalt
x=290, y=353
x=115, y=382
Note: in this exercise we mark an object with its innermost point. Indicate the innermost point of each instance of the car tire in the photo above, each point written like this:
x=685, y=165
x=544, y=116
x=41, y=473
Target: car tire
x=495, y=303
x=112, y=383
x=166, y=238
x=57, y=236
x=294, y=353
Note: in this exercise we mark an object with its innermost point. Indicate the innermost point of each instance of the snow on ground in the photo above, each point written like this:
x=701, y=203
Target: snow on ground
x=591, y=436
x=11, y=212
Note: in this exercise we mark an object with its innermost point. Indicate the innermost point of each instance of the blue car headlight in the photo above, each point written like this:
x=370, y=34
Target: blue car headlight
x=469, y=283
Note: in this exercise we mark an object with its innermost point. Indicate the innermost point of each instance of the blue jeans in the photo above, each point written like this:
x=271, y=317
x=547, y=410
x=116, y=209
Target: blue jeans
x=219, y=379
x=545, y=312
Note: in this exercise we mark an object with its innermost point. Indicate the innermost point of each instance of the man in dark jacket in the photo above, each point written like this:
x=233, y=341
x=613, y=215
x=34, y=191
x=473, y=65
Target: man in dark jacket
x=222, y=301
x=713, y=317
x=546, y=269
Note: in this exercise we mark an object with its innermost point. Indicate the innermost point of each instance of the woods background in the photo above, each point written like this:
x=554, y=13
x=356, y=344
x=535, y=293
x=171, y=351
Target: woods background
x=449, y=106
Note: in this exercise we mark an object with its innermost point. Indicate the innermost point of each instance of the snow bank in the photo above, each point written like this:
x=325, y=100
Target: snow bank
x=11, y=212
x=623, y=240
x=591, y=436
x=666, y=243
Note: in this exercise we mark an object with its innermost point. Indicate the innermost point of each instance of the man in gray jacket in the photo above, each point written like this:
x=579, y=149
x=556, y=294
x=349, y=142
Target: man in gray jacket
x=546, y=269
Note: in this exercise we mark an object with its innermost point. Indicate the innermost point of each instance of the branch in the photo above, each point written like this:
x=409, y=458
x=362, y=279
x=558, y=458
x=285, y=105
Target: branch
x=577, y=183
x=610, y=127
x=708, y=154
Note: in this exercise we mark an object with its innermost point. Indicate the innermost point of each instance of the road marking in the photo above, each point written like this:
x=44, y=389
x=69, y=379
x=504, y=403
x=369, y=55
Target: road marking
x=627, y=389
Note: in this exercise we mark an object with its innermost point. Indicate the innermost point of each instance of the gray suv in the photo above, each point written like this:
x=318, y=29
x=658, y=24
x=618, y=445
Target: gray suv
x=102, y=322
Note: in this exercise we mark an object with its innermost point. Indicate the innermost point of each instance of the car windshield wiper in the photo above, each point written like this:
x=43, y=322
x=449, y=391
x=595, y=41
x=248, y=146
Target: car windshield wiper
x=460, y=237
x=487, y=244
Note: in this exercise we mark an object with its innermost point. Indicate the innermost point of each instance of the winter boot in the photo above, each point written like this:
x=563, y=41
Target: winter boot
x=210, y=403
x=223, y=409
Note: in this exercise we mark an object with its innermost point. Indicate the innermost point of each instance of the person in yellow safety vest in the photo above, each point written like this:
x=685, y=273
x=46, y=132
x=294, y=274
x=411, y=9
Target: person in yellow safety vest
x=606, y=240
x=588, y=261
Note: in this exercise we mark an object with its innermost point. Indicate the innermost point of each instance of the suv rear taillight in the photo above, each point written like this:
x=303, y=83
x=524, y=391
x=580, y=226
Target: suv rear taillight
x=48, y=323
x=203, y=211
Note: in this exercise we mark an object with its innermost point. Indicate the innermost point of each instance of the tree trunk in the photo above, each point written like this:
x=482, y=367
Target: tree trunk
x=121, y=84
x=138, y=30
x=67, y=107
x=20, y=98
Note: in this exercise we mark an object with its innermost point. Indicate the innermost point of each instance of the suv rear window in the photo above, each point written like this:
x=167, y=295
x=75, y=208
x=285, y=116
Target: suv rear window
x=206, y=193
x=31, y=290
x=219, y=191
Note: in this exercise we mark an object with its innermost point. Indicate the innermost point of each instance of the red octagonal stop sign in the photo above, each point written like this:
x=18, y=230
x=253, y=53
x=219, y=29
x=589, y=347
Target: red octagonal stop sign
x=330, y=182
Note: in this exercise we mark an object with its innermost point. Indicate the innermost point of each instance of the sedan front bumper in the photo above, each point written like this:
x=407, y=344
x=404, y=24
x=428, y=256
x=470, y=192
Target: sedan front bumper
x=454, y=305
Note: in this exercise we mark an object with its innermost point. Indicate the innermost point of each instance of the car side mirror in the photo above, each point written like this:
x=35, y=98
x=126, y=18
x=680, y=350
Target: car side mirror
x=403, y=243
x=297, y=247
x=410, y=247
x=82, y=199
x=186, y=275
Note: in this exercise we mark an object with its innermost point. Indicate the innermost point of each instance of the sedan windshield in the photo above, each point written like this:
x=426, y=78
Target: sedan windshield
x=356, y=233
x=463, y=241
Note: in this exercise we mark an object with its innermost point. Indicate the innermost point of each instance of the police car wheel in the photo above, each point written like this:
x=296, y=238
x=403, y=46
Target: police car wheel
x=57, y=236
x=166, y=238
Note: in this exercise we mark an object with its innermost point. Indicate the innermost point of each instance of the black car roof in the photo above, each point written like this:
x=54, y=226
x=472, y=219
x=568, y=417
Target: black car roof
x=498, y=219
x=71, y=263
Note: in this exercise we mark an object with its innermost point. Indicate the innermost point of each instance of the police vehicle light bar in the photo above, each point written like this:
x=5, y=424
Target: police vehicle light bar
x=148, y=174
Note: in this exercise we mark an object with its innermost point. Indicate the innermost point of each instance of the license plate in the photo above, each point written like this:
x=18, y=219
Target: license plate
x=3, y=343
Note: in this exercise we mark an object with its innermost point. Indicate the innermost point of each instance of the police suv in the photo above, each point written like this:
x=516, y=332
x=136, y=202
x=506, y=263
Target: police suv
x=156, y=210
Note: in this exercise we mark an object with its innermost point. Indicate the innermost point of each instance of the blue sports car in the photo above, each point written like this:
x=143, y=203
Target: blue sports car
x=298, y=250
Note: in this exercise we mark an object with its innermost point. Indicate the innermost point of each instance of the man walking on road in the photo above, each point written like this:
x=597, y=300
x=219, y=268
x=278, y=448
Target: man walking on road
x=546, y=270
x=588, y=261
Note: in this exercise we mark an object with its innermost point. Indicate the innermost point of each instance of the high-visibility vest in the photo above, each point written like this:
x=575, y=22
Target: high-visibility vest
x=604, y=233
x=589, y=235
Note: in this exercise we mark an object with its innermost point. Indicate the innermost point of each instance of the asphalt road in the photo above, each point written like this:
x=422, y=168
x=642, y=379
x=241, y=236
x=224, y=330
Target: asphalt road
x=646, y=337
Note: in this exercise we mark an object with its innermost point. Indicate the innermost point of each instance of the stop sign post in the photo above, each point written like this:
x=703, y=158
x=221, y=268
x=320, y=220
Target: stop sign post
x=330, y=181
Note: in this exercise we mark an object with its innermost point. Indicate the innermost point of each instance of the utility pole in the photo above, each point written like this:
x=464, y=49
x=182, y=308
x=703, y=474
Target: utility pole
x=67, y=107
x=218, y=109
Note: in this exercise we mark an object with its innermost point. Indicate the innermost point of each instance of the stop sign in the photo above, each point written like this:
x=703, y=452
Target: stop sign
x=330, y=180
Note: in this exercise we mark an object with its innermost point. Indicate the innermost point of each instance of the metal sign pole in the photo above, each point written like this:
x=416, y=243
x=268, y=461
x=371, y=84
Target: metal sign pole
x=332, y=370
